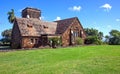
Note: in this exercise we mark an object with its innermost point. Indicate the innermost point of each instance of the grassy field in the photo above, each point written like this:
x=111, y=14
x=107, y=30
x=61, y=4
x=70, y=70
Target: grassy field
x=70, y=60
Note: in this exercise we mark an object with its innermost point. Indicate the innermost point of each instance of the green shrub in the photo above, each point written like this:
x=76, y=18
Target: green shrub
x=5, y=41
x=79, y=41
x=55, y=41
x=93, y=40
x=98, y=42
x=90, y=40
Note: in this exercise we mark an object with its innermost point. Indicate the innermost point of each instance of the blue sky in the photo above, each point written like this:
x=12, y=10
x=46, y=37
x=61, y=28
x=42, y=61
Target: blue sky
x=103, y=15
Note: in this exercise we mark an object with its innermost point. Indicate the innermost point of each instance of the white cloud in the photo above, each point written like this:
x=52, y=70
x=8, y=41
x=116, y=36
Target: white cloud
x=58, y=18
x=107, y=7
x=75, y=8
x=118, y=20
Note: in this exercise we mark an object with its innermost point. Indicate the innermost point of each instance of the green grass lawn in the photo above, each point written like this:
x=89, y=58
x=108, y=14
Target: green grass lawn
x=71, y=60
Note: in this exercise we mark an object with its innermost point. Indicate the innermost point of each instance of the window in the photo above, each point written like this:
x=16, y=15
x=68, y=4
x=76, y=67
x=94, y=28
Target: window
x=34, y=41
x=74, y=35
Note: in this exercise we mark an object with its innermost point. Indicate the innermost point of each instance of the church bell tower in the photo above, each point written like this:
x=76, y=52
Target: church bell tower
x=31, y=13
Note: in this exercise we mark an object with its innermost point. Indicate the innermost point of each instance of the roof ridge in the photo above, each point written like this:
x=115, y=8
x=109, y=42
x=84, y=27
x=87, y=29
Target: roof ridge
x=66, y=19
x=31, y=8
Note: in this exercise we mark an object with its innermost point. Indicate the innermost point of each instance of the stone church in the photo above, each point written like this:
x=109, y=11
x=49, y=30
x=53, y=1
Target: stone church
x=32, y=32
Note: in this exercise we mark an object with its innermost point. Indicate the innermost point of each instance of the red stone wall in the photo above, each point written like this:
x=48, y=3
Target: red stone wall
x=34, y=42
x=16, y=37
x=66, y=35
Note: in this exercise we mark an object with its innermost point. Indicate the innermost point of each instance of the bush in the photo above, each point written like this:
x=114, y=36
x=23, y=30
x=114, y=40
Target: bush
x=5, y=41
x=90, y=40
x=55, y=41
x=79, y=41
x=98, y=42
x=93, y=40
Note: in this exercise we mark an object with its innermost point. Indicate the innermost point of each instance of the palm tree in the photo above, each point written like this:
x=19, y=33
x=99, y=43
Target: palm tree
x=11, y=16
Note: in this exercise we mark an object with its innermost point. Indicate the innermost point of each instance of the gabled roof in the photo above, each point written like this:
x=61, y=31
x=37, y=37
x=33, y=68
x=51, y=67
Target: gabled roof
x=35, y=27
x=64, y=24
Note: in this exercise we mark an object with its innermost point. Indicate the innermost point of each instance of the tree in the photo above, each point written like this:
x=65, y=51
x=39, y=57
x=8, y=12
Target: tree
x=93, y=36
x=91, y=32
x=107, y=39
x=114, y=38
x=115, y=33
x=11, y=16
x=100, y=35
x=6, y=34
x=94, y=32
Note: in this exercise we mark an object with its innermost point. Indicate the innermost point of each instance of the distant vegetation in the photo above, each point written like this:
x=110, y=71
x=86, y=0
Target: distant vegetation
x=114, y=38
x=6, y=40
x=95, y=37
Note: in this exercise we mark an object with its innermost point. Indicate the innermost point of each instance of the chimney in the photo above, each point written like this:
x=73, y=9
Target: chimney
x=31, y=13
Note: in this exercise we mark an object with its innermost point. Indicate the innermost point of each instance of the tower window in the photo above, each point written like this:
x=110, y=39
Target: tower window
x=45, y=27
x=29, y=25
